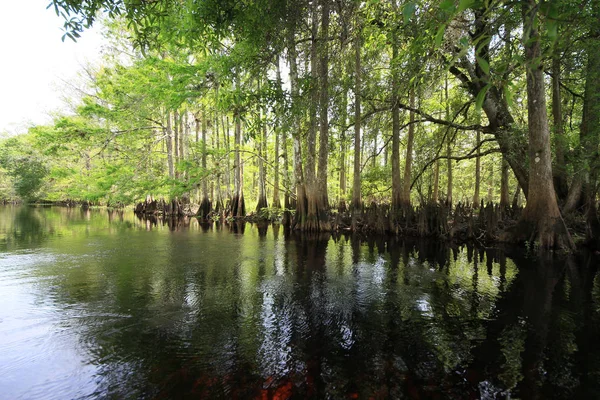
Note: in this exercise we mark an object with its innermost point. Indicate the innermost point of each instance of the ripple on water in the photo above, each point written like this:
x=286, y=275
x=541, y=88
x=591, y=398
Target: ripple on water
x=24, y=259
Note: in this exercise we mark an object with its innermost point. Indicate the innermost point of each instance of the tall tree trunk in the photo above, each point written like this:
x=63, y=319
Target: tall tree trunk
x=409, y=150
x=315, y=219
x=218, y=202
x=211, y=192
x=516, y=197
x=262, y=154
x=374, y=152
x=182, y=135
x=184, y=129
x=449, y=171
x=590, y=124
x=587, y=152
x=276, y=201
x=287, y=201
x=448, y=148
x=311, y=137
x=560, y=174
x=491, y=185
x=356, y=187
x=226, y=135
x=169, y=140
x=436, y=181
x=541, y=220
x=238, y=204
x=574, y=197
x=476, y=199
x=301, y=202
x=323, y=104
x=343, y=149
x=504, y=195
x=176, y=142
x=197, y=122
x=204, y=209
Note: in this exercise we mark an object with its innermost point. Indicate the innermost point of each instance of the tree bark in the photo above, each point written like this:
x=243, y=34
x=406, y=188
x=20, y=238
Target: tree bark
x=226, y=136
x=582, y=190
x=396, y=182
x=169, y=141
x=197, y=122
x=448, y=149
x=182, y=135
x=491, y=185
x=476, y=198
x=356, y=186
x=262, y=155
x=323, y=104
x=276, y=202
x=296, y=135
x=516, y=197
x=176, y=154
x=314, y=219
x=504, y=195
x=373, y=155
x=238, y=204
x=182, y=143
x=343, y=149
x=405, y=200
x=541, y=221
x=204, y=209
x=560, y=174
x=449, y=171
x=436, y=181
x=590, y=125
x=218, y=201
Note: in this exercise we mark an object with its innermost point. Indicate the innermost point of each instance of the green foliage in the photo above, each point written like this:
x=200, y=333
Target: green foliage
x=215, y=62
x=26, y=169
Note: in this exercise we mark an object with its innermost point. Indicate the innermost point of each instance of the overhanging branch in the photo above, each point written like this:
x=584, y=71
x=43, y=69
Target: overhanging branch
x=468, y=156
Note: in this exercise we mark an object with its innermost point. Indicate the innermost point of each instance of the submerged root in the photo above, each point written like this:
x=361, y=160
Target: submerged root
x=548, y=233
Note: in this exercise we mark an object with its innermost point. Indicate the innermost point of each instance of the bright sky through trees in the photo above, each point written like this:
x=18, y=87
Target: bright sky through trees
x=35, y=61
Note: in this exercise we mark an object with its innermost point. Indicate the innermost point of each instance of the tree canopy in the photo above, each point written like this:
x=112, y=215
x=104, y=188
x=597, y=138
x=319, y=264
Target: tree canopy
x=331, y=103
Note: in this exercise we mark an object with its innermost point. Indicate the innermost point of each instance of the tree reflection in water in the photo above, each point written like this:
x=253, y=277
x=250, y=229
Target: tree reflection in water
x=173, y=308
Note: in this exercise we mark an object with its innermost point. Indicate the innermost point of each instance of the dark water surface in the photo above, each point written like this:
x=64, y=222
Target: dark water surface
x=102, y=305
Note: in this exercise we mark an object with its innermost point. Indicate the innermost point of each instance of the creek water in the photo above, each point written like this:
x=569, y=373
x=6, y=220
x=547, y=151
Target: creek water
x=99, y=304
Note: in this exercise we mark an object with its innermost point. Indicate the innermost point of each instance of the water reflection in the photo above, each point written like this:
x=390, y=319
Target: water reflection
x=173, y=308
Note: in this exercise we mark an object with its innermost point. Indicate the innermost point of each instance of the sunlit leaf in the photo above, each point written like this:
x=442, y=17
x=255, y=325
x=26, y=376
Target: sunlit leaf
x=508, y=94
x=408, y=11
x=447, y=5
x=464, y=4
x=552, y=29
x=481, y=97
x=439, y=36
x=484, y=65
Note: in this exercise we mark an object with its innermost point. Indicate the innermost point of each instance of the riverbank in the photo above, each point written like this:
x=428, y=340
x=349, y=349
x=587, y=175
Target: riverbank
x=463, y=223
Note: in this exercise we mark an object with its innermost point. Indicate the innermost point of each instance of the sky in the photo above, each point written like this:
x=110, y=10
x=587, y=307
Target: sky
x=34, y=63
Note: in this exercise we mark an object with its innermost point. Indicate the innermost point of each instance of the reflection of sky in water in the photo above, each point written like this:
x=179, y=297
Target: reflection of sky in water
x=347, y=337
x=275, y=352
x=424, y=307
x=40, y=353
